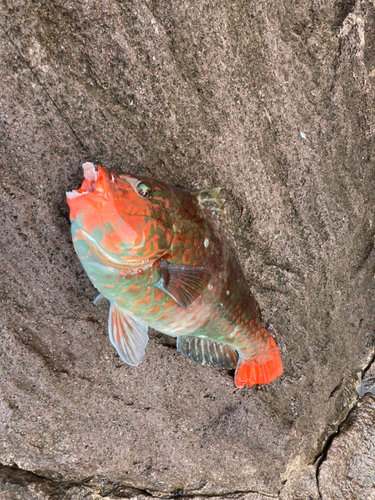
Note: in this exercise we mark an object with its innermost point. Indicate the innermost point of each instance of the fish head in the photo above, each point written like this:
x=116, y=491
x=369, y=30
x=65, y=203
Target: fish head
x=124, y=220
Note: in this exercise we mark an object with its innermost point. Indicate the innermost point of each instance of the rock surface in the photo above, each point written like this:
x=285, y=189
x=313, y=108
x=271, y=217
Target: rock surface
x=271, y=101
x=349, y=469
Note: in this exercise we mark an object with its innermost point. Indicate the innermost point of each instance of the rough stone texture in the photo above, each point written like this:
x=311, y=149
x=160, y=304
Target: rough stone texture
x=272, y=101
x=20, y=485
x=349, y=469
x=301, y=485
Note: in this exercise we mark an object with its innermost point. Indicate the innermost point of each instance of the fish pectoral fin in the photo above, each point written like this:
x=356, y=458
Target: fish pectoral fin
x=183, y=283
x=100, y=300
x=207, y=352
x=128, y=335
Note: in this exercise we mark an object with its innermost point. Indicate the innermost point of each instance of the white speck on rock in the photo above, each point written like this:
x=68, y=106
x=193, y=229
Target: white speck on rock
x=206, y=242
x=303, y=135
x=210, y=287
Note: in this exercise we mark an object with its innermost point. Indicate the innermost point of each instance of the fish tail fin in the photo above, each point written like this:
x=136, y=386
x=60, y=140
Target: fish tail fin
x=264, y=365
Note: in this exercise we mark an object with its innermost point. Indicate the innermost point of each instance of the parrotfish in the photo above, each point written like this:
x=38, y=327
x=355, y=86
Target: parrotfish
x=164, y=258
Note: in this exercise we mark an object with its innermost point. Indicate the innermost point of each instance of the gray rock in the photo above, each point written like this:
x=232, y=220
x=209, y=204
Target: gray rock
x=301, y=485
x=349, y=469
x=270, y=101
x=20, y=485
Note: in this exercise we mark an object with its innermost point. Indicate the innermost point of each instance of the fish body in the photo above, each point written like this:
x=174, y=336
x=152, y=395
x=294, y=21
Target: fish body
x=163, y=258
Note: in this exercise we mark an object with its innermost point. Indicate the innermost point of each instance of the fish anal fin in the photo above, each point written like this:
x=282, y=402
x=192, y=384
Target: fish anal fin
x=128, y=335
x=183, y=283
x=261, y=369
x=206, y=352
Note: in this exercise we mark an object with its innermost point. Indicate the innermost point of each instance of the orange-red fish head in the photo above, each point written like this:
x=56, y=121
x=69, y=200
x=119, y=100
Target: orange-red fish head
x=124, y=220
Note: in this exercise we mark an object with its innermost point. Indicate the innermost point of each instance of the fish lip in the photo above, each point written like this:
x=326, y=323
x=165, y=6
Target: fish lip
x=90, y=174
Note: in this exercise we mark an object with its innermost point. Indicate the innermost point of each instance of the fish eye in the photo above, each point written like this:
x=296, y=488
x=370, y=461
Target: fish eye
x=144, y=189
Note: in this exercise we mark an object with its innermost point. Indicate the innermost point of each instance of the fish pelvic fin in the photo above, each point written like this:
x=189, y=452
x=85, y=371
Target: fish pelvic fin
x=262, y=368
x=128, y=334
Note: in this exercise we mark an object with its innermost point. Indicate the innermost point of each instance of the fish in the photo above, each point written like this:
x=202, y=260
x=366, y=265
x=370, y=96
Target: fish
x=164, y=258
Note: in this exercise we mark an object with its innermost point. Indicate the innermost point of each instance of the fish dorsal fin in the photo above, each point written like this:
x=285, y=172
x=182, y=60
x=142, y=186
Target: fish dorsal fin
x=206, y=352
x=211, y=199
x=183, y=283
x=128, y=335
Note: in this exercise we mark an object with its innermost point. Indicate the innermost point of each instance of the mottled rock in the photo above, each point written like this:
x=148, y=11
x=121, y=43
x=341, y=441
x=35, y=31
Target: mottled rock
x=16, y=484
x=272, y=101
x=21, y=485
x=301, y=485
x=349, y=468
x=366, y=383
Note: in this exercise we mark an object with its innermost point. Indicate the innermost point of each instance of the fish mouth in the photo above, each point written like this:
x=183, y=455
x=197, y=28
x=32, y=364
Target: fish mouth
x=88, y=186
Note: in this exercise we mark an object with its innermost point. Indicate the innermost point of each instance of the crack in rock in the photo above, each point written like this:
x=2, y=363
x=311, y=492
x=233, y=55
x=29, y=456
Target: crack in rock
x=364, y=387
x=180, y=494
x=13, y=474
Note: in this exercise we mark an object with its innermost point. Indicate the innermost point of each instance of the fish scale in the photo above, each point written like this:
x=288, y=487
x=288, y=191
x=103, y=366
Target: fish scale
x=163, y=257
